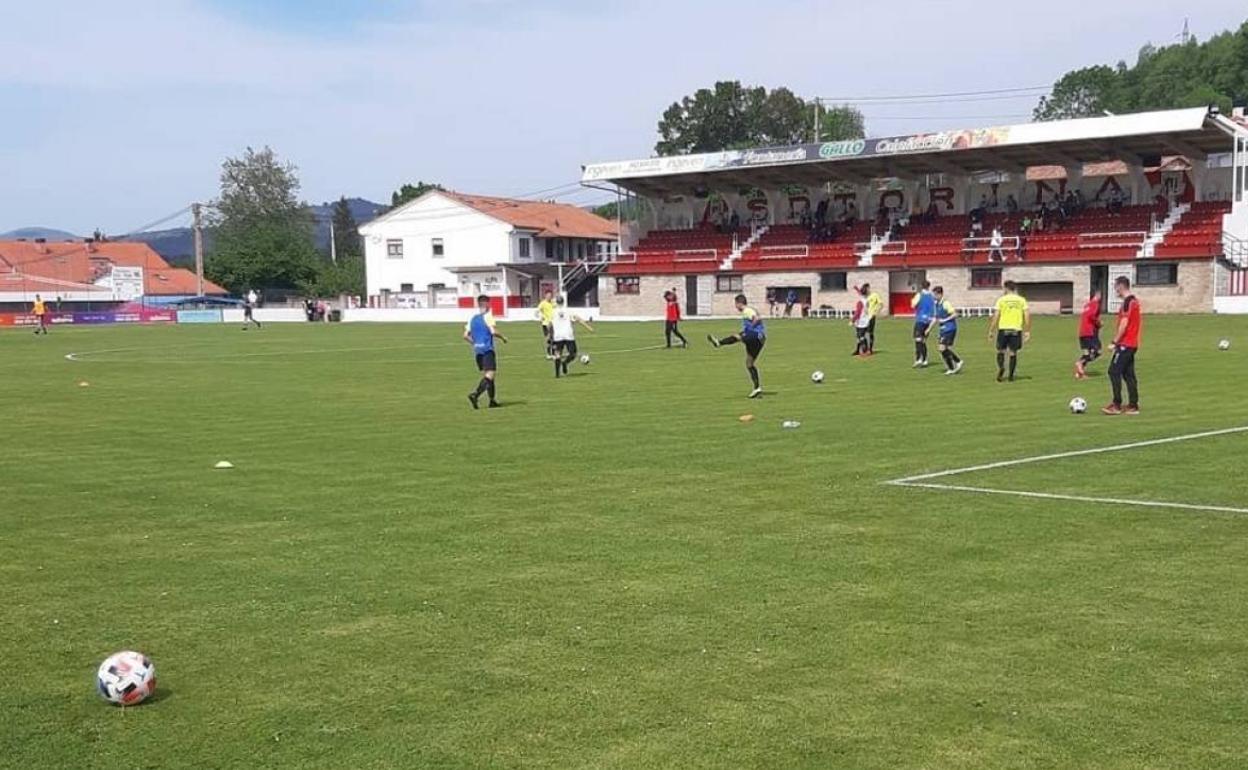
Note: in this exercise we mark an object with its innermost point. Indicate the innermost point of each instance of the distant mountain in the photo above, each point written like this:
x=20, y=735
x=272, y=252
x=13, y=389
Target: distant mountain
x=177, y=246
x=31, y=233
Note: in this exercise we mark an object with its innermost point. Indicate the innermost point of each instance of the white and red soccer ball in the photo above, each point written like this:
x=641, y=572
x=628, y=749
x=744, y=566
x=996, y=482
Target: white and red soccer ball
x=126, y=678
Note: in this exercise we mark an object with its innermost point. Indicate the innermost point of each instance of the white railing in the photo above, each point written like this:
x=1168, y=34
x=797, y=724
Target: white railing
x=794, y=251
x=1127, y=239
x=1235, y=250
x=883, y=247
x=1008, y=243
x=688, y=255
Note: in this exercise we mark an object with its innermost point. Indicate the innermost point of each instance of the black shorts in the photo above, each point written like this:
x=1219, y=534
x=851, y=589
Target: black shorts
x=487, y=362
x=948, y=338
x=753, y=345
x=565, y=346
x=871, y=326
x=1010, y=340
x=920, y=331
x=547, y=331
x=1090, y=344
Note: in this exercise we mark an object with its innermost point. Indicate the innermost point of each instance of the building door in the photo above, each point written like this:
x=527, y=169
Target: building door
x=902, y=284
x=691, y=295
x=1100, y=282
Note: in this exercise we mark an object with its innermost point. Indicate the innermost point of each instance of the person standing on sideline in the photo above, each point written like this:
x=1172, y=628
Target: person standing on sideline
x=924, y=305
x=874, y=305
x=249, y=307
x=947, y=317
x=790, y=299
x=753, y=336
x=545, y=316
x=1126, y=343
x=671, y=323
x=563, y=332
x=861, y=321
x=1089, y=335
x=39, y=309
x=480, y=332
x=1011, y=322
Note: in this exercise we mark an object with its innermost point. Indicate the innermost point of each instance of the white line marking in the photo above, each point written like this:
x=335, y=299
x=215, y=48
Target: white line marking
x=920, y=480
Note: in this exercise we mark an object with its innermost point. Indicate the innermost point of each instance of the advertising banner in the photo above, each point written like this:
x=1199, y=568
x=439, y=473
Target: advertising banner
x=199, y=316
x=92, y=318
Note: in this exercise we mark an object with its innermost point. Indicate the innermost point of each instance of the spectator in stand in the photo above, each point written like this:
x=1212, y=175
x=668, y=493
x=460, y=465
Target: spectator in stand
x=1114, y=204
x=1038, y=225
x=1011, y=204
x=821, y=213
x=995, y=253
x=1081, y=202
x=932, y=213
x=734, y=222
x=977, y=221
x=851, y=213
x=1025, y=227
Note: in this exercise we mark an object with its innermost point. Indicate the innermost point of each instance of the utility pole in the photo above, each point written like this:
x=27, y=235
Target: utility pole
x=333, y=243
x=197, y=228
x=818, y=105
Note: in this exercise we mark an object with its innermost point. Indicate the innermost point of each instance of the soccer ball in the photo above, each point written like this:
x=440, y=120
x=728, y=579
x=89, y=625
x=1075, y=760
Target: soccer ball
x=585, y=359
x=1224, y=345
x=1078, y=405
x=817, y=377
x=126, y=678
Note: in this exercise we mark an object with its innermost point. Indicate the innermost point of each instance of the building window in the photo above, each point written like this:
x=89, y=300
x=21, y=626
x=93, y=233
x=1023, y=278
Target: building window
x=838, y=281
x=559, y=250
x=526, y=248
x=729, y=284
x=627, y=284
x=438, y=249
x=405, y=288
x=985, y=278
x=1157, y=275
x=394, y=249
x=550, y=250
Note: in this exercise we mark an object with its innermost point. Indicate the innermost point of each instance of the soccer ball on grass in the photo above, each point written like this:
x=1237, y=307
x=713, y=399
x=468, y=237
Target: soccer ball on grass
x=1224, y=345
x=1078, y=405
x=817, y=377
x=126, y=678
x=585, y=359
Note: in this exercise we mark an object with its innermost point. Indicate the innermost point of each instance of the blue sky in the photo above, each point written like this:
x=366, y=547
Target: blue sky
x=126, y=114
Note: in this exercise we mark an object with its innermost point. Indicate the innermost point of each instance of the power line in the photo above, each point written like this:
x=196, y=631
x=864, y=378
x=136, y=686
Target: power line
x=952, y=94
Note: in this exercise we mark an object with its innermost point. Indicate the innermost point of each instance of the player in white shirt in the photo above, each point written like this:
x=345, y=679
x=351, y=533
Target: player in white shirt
x=563, y=334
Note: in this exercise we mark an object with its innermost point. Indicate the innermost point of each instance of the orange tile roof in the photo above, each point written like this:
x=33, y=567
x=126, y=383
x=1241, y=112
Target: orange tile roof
x=83, y=263
x=549, y=220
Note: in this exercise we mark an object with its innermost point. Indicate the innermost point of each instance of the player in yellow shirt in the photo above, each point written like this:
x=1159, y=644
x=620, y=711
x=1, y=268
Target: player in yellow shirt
x=753, y=335
x=546, y=316
x=40, y=310
x=874, y=306
x=1011, y=321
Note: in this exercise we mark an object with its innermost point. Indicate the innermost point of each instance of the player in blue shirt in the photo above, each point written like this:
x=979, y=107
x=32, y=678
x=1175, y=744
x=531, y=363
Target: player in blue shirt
x=753, y=335
x=924, y=304
x=946, y=317
x=480, y=333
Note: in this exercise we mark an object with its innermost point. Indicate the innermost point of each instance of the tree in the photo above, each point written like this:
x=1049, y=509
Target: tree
x=344, y=277
x=730, y=116
x=1189, y=74
x=264, y=233
x=346, y=231
x=627, y=211
x=409, y=192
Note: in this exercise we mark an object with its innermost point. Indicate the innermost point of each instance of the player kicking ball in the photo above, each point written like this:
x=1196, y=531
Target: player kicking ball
x=946, y=317
x=1089, y=335
x=480, y=332
x=753, y=335
x=563, y=333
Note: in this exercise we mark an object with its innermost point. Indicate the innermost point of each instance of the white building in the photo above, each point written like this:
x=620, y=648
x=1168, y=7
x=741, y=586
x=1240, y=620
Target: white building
x=446, y=248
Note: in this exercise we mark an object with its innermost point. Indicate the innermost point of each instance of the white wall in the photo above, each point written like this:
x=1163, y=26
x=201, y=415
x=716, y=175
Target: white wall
x=469, y=238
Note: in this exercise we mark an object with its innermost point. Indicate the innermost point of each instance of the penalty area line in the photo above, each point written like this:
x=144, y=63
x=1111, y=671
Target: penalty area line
x=924, y=480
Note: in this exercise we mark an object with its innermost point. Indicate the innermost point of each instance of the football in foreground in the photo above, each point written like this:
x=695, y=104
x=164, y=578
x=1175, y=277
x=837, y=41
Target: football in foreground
x=1224, y=345
x=817, y=377
x=585, y=359
x=126, y=678
x=1078, y=405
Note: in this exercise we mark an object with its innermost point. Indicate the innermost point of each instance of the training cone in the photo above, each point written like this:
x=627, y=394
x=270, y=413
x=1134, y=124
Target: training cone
x=746, y=418
x=84, y=384
x=223, y=465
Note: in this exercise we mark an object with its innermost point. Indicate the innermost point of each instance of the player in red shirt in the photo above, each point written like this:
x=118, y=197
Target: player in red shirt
x=672, y=316
x=1126, y=343
x=1089, y=334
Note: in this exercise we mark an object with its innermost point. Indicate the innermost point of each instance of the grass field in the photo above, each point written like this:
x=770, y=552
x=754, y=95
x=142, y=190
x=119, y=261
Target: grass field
x=613, y=571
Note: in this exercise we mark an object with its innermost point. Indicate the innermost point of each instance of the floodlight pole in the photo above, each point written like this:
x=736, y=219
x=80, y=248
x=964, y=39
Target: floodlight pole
x=197, y=228
x=818, y=106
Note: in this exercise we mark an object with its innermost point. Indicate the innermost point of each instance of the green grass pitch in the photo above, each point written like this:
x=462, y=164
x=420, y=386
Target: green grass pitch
x=613, y=571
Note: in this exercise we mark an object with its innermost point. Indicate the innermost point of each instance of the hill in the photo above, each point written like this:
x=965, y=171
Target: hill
x=47, y=233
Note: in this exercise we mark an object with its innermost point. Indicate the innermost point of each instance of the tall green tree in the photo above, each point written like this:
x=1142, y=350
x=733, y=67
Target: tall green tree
x=410, y=192
x=264, y=233
x=1187, y=74
x=730, y=116
x=346, y=231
